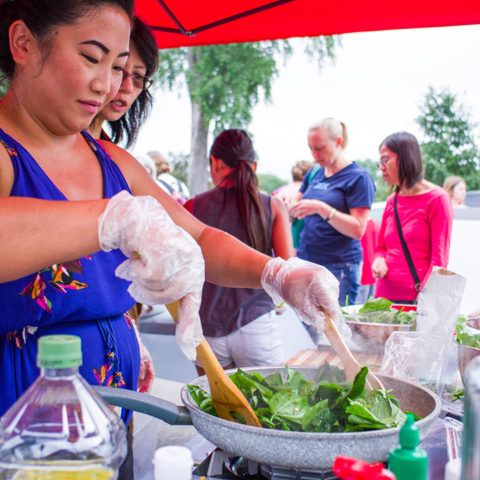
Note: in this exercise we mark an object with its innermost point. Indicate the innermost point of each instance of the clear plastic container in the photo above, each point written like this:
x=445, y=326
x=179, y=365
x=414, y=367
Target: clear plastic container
x=60, y=428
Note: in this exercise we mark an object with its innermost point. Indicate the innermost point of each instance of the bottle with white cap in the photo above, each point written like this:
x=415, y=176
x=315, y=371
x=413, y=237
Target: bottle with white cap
x=173, y=463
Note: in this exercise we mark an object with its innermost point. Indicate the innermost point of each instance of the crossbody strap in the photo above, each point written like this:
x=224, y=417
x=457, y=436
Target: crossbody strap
x=406, y=252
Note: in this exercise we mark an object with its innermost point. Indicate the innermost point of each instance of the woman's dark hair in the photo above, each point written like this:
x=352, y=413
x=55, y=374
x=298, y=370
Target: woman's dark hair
x=130, y=123
x=42, y=17
x=410, y=165
x=234, y=147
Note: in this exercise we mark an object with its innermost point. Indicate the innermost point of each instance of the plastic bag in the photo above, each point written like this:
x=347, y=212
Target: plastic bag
x=422, y=356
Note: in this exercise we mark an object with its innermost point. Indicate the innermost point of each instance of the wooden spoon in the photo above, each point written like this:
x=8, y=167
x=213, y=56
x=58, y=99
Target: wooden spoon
x=349, y=362
x=226, y=396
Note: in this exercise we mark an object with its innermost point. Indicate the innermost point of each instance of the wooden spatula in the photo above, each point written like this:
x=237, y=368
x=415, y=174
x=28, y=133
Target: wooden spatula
x=349, y=362
x=226, y=396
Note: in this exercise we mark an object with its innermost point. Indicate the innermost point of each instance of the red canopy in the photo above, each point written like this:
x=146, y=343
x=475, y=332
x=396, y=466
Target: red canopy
x=201, y=22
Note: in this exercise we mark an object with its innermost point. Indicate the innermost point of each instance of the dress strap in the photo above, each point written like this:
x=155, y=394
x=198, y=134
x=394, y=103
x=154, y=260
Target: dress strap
x=12, y=152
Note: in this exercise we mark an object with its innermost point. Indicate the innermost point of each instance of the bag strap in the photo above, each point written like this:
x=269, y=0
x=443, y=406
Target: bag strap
x=312, y=173
x=406, y=252
x=166, y=185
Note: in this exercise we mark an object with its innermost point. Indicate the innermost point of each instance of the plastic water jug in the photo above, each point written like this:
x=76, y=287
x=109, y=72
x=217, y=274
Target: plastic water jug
x=60, y=429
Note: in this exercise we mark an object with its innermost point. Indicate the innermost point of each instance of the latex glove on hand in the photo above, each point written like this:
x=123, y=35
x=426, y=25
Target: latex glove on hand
x=310, y=289
x=147, y=371
x=164, y=262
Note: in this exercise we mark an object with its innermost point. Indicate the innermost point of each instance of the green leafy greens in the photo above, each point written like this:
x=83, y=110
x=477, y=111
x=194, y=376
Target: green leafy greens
x=328, y=404
x=467, y=335
x=377, y=310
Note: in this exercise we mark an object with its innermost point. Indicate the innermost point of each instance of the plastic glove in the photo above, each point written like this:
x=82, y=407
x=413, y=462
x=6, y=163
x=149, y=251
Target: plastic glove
x=310, y=289
x=165, y=263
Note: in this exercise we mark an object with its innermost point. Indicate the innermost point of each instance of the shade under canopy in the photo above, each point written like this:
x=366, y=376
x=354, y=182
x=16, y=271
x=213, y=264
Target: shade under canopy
x=180, y=23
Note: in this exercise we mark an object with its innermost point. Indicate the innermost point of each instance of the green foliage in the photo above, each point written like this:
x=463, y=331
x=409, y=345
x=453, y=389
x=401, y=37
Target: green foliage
x=449, y=147
x=268, y=182
x=382, y=189
x=227, y=81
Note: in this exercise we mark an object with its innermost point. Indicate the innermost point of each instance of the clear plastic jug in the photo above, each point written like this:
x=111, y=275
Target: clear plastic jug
x=60, y=429
x=471, y=422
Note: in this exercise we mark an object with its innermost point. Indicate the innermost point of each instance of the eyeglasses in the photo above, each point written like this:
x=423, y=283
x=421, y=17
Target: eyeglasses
x=383, y=161
x=141, y=82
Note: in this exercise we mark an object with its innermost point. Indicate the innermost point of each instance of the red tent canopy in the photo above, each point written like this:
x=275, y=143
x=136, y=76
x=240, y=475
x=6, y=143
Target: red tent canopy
x=201, y=22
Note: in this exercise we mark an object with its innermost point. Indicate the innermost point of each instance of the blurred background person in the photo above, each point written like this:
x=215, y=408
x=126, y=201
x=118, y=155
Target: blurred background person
x=367, y=280
x=172, y=185
x=240, y=324
x=425, y=217
x=289, y=193
x=457, y=189
x=148, y=164
x=335, y=206
x=129, y=109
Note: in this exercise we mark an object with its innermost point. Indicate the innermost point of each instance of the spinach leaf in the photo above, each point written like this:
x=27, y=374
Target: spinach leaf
x=467, y=335
x=375, y=304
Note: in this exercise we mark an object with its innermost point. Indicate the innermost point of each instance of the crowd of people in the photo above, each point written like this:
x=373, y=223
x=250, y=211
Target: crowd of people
x=89, y=232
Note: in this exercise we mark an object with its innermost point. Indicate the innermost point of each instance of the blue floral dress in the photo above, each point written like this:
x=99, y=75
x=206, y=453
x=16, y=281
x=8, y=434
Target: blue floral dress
x=82, y=297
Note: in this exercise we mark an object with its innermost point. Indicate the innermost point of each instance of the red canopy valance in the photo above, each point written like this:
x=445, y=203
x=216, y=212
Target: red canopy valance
x=194, y=22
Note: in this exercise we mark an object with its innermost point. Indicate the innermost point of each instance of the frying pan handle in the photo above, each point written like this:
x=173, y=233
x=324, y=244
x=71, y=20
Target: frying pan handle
x=145, y=403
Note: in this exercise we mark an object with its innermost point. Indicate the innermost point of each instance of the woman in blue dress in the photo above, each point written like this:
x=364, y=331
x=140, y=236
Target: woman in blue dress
x=335, y=205
x=62, y=234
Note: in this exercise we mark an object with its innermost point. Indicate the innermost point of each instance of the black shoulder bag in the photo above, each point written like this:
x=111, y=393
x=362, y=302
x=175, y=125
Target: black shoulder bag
x=406, y=252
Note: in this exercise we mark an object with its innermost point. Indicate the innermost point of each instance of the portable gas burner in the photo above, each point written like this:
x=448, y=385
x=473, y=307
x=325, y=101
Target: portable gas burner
x=222, y=465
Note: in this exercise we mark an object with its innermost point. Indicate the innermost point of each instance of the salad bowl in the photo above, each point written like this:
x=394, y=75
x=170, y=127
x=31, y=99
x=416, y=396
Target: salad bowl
x=370, y=330
x=468, y=340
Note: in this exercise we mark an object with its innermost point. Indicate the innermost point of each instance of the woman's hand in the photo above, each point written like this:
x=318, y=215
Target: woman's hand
x=164, y=262
x=147, y=372
x=307, y=207
x=379, y=267
x=310, y=289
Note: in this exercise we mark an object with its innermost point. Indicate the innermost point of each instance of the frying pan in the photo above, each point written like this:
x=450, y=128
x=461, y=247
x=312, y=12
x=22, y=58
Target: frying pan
x=301, y=450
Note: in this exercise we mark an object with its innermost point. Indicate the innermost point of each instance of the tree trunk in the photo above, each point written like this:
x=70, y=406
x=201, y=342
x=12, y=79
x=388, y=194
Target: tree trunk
x=198, y=161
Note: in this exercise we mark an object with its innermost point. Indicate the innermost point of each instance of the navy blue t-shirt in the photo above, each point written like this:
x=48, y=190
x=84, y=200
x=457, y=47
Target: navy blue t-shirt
x=351, y=187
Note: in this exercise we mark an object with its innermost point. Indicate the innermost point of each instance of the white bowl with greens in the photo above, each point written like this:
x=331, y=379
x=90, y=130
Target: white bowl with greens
x=468, y=339
x=373, y=323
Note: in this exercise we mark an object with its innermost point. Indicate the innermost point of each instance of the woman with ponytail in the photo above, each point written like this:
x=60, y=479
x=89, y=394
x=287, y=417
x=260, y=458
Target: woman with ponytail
x=335, y=204
x=240, y=323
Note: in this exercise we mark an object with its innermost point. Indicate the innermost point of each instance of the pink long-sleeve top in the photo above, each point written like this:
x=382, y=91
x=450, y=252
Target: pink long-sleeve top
x=426, y=221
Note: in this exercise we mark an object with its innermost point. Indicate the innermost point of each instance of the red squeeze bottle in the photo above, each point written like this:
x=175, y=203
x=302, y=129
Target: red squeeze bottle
x=348, y=468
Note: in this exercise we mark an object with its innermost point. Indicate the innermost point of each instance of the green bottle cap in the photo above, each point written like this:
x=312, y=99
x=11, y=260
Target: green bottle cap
x=59, y=351
x=409, y=462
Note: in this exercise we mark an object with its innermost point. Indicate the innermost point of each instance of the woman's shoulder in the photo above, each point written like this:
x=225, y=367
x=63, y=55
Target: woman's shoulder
x=357, y=172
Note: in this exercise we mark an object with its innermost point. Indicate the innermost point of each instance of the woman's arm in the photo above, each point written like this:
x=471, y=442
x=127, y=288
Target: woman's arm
x=35, y=234
x=351, y=224
x=223, y=253
x=282, y=233
x=440, y=218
